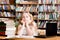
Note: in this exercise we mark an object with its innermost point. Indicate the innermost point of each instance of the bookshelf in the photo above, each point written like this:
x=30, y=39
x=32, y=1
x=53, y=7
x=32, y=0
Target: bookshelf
x=43, y=11
x=48, y=12
x=30, y=6
x=7, y=14
x=7, y=9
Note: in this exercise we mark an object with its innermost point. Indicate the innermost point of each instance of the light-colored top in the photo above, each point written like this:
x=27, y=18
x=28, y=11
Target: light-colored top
x=23, y=31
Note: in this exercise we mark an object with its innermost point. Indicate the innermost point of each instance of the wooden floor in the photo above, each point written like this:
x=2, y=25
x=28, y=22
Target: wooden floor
x=49, y=38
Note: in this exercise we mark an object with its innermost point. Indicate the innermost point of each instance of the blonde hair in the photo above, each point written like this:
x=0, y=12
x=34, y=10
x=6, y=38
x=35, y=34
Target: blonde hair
x=32, y=21
x=30, y=15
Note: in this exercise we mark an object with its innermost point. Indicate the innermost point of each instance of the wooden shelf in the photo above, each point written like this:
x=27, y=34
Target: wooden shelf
x=27, y=3
x=19, y=11
x=34, y=12
x=7, y=17
x=42, y=28
x=33, y=4
x=7, y=10
x=48, y=19
x=34, y=19
x=48, y=4
x=4, y=4
x=46, y=12
x=23, y=11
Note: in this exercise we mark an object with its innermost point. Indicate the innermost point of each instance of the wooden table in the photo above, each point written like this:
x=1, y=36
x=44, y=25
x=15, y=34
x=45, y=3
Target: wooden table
x=50, y=38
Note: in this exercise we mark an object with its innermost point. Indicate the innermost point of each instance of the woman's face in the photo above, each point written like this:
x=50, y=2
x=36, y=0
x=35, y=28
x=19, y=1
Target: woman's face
x=26, y=18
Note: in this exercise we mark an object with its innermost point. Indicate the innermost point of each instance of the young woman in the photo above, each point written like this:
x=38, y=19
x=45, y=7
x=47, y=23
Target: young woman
x=28, y=26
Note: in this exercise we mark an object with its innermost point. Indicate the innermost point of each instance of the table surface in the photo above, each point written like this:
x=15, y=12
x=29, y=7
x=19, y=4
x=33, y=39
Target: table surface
x=48, y=38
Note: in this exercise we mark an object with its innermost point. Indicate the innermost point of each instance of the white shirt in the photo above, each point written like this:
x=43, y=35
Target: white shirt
x=23, y=32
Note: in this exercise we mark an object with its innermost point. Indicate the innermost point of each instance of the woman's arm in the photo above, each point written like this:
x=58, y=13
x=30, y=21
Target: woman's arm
x=20, y=29
x=31, y=30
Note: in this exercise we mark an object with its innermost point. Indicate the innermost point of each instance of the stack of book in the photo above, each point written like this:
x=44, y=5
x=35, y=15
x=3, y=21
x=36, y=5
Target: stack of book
x=2, y=28
x=10, y=27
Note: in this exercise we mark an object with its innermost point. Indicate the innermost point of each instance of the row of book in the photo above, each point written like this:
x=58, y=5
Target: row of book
x=46, y=16
x=6, y=14
x=49, y=8
x=42, y=24
x=41, y=8
x=27, y=8
x=7, y=7
x=18, y=16
x=4, y=1
x=49, y=1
